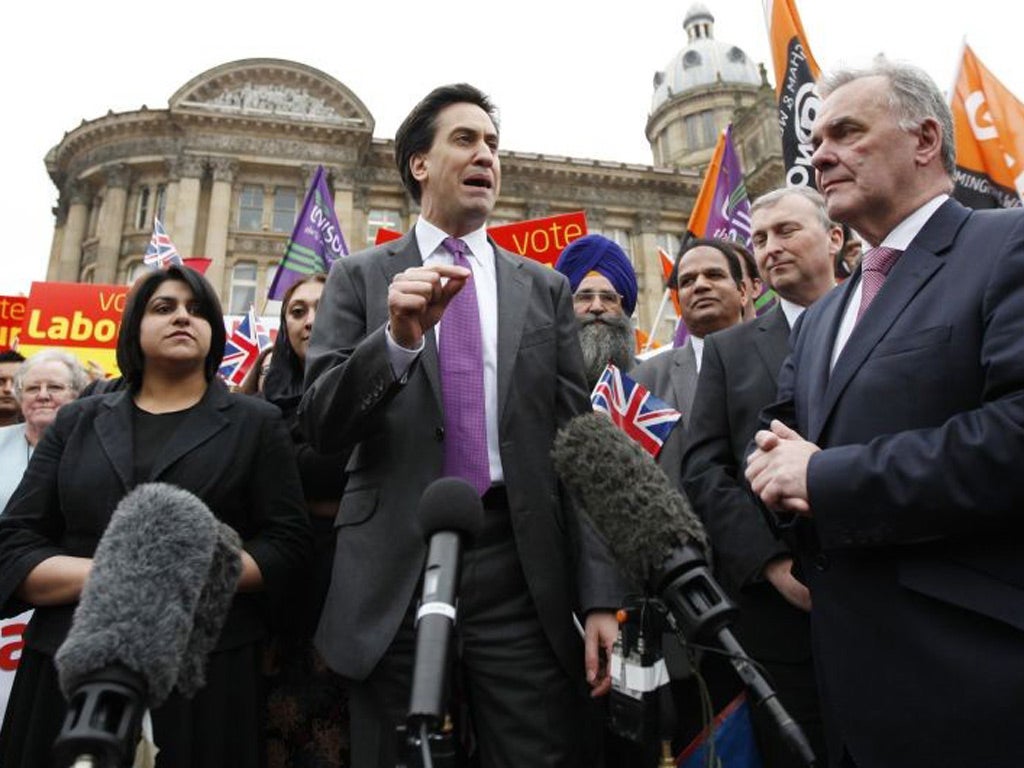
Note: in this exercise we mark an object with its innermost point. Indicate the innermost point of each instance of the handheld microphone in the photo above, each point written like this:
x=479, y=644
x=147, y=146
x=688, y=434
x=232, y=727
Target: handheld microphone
x=149, y=603
x=450, y=511
x=654, y=535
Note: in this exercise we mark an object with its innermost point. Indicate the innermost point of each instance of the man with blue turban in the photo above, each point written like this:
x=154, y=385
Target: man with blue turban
x=604, y=289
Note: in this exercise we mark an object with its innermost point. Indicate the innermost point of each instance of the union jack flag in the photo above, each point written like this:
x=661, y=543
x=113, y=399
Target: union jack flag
x=634, y=409
x=161, y=253
x=242, y=348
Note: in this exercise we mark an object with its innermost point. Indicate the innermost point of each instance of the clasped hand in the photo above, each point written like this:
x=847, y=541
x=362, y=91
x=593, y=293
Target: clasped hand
x=777, y=470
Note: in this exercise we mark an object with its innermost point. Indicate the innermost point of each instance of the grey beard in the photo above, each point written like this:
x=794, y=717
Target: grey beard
x=605, y=339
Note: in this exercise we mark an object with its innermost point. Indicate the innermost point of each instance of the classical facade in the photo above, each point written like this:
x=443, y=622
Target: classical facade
x=226, y=165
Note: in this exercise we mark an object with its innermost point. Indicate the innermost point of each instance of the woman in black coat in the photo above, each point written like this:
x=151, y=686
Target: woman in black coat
x=174, y=423
x=307, y=706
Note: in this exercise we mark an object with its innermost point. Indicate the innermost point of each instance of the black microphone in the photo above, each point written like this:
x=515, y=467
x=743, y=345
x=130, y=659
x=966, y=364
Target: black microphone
x=657, y=539
x=162, y=580
x=450, y=512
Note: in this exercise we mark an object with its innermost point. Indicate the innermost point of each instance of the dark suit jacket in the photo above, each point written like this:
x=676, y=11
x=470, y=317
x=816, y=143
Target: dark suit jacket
x=672, y=376
x=395, y=428
x=738, y=379
x=914, y=556
x=232, y=451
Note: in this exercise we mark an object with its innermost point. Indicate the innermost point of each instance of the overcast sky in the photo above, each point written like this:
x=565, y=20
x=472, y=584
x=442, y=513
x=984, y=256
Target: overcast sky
x=570, y=78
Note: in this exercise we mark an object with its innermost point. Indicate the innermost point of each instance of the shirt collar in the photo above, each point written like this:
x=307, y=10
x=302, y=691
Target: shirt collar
x=790, y=310
x=429, y=238
x=904, y=233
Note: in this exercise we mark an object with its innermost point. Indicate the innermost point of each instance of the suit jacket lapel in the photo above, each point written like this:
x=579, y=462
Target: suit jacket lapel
x=203, y=422
x=513, y=293
x=684, y=378
x=401, y=255
x=113, y=427
x=772, y=341
x=909, y=275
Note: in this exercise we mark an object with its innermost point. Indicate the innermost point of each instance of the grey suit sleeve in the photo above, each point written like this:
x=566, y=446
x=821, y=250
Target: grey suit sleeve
x=742, y=540
x=348, y=371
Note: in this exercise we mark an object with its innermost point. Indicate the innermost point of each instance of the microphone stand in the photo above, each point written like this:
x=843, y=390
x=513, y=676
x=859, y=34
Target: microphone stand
x=421, y=746
x=103, y=722
x=699, y=609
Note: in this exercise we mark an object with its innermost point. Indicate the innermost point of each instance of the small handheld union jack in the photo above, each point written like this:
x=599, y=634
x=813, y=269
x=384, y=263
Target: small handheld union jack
x=161, y=253
x=634, y=409
x=242, y=348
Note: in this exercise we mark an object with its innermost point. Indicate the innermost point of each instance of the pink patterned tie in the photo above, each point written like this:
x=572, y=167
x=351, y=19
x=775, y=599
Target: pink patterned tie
x=461, y=352
x=874, y=267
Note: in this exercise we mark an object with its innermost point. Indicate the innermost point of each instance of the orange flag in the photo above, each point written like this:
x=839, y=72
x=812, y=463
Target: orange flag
x=988, y=123
x=667, y=265
x=795, y=74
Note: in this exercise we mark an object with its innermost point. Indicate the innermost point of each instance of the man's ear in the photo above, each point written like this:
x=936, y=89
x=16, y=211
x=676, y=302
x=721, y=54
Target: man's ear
x=418, y=166
x=835, y=240
x=929, y=141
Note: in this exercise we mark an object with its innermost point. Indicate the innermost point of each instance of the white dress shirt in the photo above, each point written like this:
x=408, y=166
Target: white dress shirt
x=900, y=238
x=481, y=260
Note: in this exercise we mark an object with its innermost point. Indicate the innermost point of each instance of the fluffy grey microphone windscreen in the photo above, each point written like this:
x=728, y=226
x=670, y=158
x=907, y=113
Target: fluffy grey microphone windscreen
x=625, y=494
x=211, y=609
x=138, y=605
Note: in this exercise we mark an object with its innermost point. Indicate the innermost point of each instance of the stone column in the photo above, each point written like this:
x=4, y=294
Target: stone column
x=648, y=271
x=60, y=220
x=171, y=200
x=356, y=235
x=70, y=261
x=186, y=212
x=344, y=200
x=216, y=247
x=110, y=226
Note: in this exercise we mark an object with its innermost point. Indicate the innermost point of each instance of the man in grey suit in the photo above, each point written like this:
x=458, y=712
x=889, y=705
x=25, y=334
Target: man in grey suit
x=381, y=382
x=795, y=245
x=712, y=296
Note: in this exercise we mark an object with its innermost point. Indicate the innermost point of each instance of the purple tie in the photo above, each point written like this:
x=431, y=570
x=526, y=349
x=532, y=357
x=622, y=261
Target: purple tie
x=874, y=267
x=461, y=352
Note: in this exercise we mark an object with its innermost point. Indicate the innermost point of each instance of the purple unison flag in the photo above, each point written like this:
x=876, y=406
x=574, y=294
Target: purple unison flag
x=729, y=216
x=316, y=240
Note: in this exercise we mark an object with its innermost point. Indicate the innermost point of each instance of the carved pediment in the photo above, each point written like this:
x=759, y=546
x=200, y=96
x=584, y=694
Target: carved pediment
x=273, y=89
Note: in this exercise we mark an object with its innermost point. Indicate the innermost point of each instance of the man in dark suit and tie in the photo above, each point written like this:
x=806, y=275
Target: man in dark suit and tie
x=895, y=445
x=712, y=296
x=795, y=244
x=389, y=377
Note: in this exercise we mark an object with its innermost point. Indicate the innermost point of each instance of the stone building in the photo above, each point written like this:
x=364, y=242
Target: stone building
x=226, y=165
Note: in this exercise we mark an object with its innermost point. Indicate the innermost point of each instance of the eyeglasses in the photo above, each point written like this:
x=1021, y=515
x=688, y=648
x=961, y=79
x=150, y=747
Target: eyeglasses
x=607, y=298
x=34, y=390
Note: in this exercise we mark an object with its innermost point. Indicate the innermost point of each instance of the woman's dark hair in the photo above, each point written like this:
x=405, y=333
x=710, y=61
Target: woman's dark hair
x=725, y=247
x=284, y=383
x=416, y=133
x=129, y=347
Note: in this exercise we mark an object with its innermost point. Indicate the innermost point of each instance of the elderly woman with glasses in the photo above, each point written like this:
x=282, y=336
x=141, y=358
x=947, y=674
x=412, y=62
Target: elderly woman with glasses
x=42, y=384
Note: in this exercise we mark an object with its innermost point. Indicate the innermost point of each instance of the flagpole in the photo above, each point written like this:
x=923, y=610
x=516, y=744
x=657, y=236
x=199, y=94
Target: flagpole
x=657, y=319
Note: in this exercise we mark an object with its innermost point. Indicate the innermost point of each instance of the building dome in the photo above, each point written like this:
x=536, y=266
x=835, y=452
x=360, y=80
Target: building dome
x=704, y=61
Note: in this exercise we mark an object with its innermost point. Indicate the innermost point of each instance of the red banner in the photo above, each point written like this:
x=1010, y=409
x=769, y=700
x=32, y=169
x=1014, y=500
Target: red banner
x=12, y=314
x=539, y=239
x=79, y=317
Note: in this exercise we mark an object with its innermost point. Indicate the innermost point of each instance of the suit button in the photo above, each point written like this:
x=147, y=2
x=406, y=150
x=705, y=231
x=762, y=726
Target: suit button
x=821, y=561
x=439, y=434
